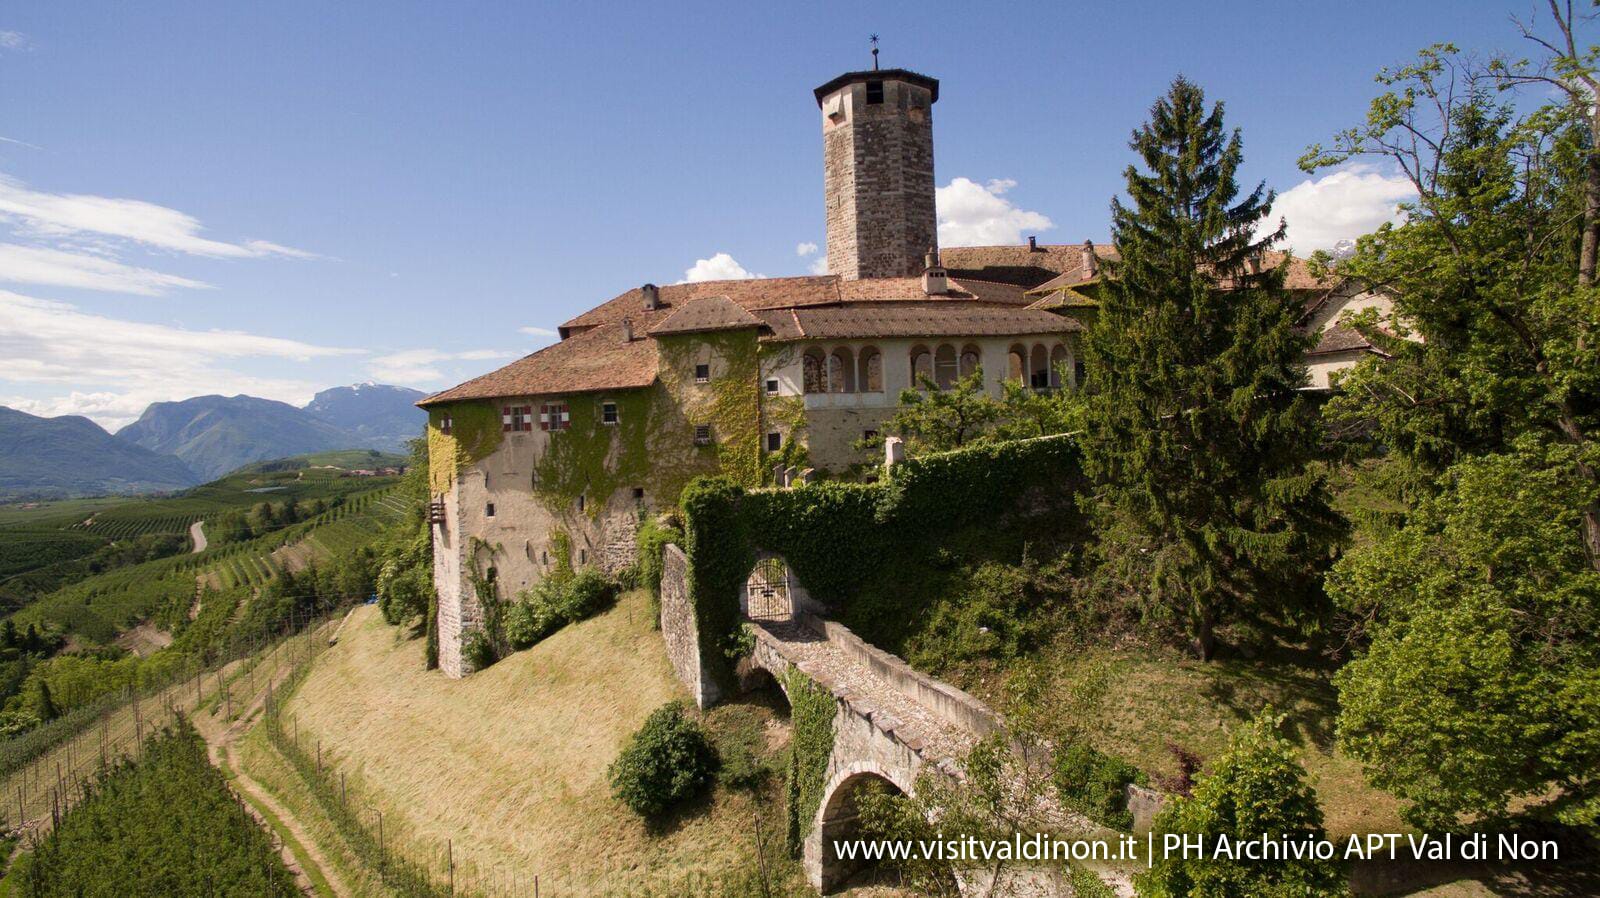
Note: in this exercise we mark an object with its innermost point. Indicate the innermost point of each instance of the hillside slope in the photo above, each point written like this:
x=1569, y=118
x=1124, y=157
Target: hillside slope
x=73, y=456
x=218, y=434
x=379, y=416
x=510, y=763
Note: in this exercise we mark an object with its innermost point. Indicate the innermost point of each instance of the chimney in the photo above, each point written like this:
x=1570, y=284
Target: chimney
x=627, y=330
x=1091, y=262
x=1033, y=244
x=935, y=281
x=652, y=297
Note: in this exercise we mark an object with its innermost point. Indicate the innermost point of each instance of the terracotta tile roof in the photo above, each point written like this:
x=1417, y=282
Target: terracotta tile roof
x=1021, y=265
x=597, y=359
x=1340, y=338
x=930, y=318
x=708, y=313
x=1298, y=277
x=765, y=293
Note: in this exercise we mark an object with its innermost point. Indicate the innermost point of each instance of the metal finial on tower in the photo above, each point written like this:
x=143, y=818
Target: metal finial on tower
x=874, y=40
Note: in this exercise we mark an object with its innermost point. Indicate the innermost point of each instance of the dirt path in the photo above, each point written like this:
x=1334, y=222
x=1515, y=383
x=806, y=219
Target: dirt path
x=197, y=533
x=220, y=738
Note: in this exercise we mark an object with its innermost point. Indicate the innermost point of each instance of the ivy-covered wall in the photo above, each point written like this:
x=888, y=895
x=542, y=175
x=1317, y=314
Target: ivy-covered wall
x=812, y=710
x=474, y=435
x=834, y=535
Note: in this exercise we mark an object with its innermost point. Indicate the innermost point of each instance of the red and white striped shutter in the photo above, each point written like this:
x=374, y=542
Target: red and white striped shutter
x=544, y=417
x=505, y=417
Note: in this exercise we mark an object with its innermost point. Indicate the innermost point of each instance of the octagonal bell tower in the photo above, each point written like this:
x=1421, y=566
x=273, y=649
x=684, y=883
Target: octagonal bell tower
x=877, y=158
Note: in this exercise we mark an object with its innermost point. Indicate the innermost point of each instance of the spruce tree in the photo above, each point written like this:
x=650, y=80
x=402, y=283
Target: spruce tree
x=1194, y=427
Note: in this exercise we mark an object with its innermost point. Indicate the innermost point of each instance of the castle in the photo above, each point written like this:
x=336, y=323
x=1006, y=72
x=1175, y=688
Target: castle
x=553, y=460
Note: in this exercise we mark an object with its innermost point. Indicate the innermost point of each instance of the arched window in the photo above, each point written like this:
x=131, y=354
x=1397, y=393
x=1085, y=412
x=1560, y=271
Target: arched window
x=971, y=360
x=1017, y=364
x=1039, y=370
x=921, y=365
x=871, y=365
x=814, y=371
x=944, y=366
x=1058, y=363
x=841, y=371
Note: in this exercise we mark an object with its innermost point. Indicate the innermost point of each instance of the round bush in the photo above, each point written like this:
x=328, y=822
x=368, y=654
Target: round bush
x=668, y=760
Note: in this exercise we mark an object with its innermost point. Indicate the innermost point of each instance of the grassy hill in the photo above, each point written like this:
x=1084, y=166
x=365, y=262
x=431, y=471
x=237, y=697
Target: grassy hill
x=510, y=763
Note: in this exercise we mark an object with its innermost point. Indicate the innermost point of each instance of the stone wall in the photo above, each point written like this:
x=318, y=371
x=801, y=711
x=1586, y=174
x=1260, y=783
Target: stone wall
x=953, y=705
x=678, y=628
x=878, y=180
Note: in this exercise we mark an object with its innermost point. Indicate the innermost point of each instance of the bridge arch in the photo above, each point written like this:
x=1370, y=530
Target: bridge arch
x=838, y=818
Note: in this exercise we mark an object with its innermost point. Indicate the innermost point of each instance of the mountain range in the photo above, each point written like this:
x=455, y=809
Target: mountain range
x=179, y=444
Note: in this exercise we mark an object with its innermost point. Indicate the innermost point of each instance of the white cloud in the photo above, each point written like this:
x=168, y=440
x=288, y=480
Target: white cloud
x=149, y=224
x=819, y=265
x=720, y=267
x=547, y=332
x=59, y=268
x=20, y=143
x=805, y=249
x=420, y=366
x=973, y=214
x=114, y=367
x=13, y=40
x=1341, y=204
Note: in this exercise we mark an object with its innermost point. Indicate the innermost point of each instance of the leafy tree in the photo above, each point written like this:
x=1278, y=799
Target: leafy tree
x=931, y=419
x=1195, y=428
x=669, y=759
x=1257, y=787
x=1482, y=682
x=44, y=705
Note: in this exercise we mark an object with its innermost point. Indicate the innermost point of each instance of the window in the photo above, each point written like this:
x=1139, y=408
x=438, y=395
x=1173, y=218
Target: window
x=774, y=441
x=516, y=418
x=1058, y=363
x=970, y=360
x=869, y=435
x=638, y=494
x=1039, y=369
x=921, y=365
x=702, y=373
x=1017, y=364
x=1080, y=374
x=492, y=574
x=583, y=556
x=772, y=386
x=874, y=93
x=608, y=413
x=488, y=510
x=702, y=434
x=944, y=367
x=871, y=368
x=581, y=503
x=841, y=371
x=554, y=416
x=544, y=557
x=445, y=424
x=813, y=370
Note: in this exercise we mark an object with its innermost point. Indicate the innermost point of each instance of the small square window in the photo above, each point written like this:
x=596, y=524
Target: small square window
x=516, y=418
x=774, y=442
x=702, y=434
x=554, y=416
x=608, y=413
x=772, y=386
x=869, y=435
x=874, y=93
x=488, y=510
x=445, y=424
x=638, y=494
x=702, y=373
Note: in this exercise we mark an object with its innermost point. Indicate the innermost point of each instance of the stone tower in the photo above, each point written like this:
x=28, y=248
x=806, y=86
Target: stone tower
x=877, y=157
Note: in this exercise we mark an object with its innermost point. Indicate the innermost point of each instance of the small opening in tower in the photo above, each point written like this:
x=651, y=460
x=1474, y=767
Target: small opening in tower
x=874, y=93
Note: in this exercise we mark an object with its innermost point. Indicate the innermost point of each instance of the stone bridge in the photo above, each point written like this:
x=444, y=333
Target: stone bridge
x=891, y=722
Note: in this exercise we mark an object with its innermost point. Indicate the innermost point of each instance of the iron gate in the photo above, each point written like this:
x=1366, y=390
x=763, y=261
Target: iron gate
x=767, y=591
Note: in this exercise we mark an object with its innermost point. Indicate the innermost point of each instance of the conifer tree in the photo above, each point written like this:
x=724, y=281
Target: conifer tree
x=1194, y=427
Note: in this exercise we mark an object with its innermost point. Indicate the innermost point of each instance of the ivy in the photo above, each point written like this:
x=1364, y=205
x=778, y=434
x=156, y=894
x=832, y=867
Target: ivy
x=595, y=459
x=812, y=709
x=475, y=432
x=834, y=536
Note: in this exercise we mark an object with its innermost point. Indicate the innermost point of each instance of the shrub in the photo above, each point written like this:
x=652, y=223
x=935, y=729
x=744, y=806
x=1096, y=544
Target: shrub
x=1096, y=783
x=554, y=602
x=668, y=760
x=479, y=650
x=1256, y=786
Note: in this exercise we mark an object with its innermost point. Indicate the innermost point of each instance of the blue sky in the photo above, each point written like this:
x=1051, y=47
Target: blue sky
x=272, y=198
